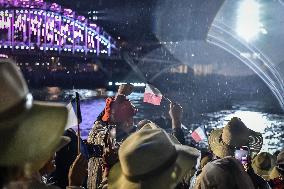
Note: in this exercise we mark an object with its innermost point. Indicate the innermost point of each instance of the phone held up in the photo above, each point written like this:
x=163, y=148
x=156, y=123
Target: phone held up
x=242, y=155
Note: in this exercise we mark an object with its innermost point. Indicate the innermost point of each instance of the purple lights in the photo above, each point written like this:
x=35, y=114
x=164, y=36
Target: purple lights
x=49, y=27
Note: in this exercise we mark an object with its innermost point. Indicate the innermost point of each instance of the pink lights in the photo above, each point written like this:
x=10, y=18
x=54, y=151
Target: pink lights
x=49, y=27
x=5, y=21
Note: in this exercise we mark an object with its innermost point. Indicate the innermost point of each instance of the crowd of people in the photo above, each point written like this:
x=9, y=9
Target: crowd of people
x=37, y=152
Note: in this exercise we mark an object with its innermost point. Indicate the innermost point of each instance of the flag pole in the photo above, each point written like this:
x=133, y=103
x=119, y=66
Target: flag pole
x=167, y=99
x=205, y=131
x=78, y=124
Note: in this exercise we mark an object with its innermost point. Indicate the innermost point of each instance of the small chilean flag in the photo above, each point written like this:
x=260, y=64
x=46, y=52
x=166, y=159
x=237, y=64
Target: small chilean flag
x=152, y=95
x=74, y=112
x=198, y=134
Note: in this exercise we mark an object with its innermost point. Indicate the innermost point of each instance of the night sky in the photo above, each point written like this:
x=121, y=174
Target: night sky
x=146, y=22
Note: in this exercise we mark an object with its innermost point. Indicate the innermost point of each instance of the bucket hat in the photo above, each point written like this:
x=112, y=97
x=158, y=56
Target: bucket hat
x=150, y=159
x=235, y=134
x=29, y=130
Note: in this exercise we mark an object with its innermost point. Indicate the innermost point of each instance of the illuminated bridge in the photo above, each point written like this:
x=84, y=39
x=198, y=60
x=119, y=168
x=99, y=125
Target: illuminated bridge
x=37, y=26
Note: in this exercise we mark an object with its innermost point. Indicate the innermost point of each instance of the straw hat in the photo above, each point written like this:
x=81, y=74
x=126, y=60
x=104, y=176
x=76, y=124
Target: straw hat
x=143, y=122
x=29, y=131
x=278, y=170
x=280, y=158
x=206, y=159
x=235, y=134
x=274, y=173
x=150, y=159
x=262, y=164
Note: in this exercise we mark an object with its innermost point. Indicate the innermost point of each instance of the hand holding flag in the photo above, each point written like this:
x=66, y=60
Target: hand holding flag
x=152, y=95
x=199, y=134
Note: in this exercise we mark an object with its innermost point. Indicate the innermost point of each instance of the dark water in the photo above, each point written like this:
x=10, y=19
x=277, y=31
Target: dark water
x=252, y=114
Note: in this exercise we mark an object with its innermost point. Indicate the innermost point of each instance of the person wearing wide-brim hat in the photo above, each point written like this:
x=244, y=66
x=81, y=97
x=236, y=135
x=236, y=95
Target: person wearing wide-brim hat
x=262, y=164
x=116, y=119
x=30, y=131
x=278, y=170
x=151, y=159
x=224, y=141
x=277, y=174
x=223, y=173
x=50, y=165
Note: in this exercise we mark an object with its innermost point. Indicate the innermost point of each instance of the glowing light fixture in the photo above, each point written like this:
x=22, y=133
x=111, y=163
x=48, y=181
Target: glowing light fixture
x=248, y=21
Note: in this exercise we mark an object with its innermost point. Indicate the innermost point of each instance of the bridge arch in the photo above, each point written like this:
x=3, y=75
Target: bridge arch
x=40, y=26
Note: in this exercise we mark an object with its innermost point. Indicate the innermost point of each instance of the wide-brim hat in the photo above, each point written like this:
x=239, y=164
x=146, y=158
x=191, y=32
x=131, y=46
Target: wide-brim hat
x=35, y=137
x=30, y=131
x=224, y=141
x=145, y=163
x=262, y=163
x=280, y=158
x=274, y=173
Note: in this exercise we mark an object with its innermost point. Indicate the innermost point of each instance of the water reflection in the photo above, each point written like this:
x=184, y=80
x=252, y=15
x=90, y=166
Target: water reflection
x=252, y=114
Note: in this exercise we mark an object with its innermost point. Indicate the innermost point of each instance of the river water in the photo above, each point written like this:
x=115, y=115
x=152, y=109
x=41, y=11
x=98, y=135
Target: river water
x=252, y=114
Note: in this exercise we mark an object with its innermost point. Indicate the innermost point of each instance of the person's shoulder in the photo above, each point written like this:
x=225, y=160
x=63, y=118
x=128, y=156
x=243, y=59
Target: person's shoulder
x=227, y=164
x=227, y=161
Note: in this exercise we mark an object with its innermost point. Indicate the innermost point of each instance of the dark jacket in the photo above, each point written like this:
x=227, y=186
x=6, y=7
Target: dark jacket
x=64, y=158
x=226, y=173
x=258, y=181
